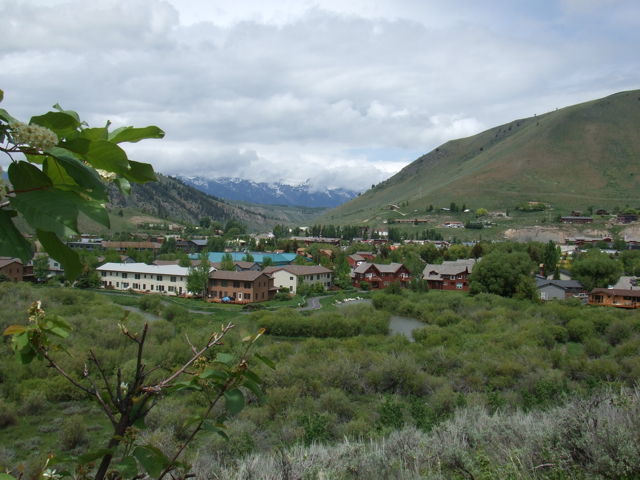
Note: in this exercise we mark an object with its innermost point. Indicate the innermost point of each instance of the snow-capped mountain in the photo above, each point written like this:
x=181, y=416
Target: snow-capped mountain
x=270, y=193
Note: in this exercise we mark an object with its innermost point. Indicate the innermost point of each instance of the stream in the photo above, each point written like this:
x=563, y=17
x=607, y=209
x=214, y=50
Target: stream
x=398, y=323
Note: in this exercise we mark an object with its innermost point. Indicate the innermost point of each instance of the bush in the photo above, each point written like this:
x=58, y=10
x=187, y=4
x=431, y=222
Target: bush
x=390, y=415
x=33, y=403
x=73, y=433
x=364, y=285
x=282, y=297
x=579, y=330
x=151, y=303
x=172, y=312
x=7, y=414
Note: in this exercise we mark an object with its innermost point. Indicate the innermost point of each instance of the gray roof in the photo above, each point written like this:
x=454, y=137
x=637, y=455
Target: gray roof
x=392, y=268
x=244, y=276
x=434, y=271
x=564, y=284
x=201, y=243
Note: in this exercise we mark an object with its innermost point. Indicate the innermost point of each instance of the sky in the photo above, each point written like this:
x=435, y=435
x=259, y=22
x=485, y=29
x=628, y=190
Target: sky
x=339, y=93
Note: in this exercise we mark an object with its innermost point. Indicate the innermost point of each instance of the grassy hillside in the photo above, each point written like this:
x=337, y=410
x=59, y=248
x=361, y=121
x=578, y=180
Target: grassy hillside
x=586, y=154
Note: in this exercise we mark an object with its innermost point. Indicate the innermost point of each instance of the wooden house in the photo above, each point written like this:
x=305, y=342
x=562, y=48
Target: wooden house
x=615, y=297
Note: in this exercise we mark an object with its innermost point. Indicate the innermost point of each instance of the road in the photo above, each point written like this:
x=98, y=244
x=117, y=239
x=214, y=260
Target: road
x=313, y=304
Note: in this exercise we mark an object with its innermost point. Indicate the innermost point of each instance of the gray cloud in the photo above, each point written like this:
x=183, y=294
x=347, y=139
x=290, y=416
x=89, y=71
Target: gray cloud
x=287, y=92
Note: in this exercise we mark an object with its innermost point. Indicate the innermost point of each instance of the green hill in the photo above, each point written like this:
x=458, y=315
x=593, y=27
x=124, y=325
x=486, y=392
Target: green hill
x=586, y=154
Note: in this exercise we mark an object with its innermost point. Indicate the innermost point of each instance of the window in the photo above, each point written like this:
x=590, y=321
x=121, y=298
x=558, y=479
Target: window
x=247, y=285
x=225, y=283
x=125, y=285
x=214, y=283
x=124, y=275
x=136, y=276
x=172, y=279
x=171, y=288
x=159, y=278
x=117, y=284
x=160, y=288
x=452, y=277
x=215, y=294
x=459, y=286
x=247, y=296
x=262, y=294
x=104, y=274
x=144, y=286
x=236, y=284
x=459, y=275
x=445, y=283
x=317, y=277
x=136, y=286
x=290, y=278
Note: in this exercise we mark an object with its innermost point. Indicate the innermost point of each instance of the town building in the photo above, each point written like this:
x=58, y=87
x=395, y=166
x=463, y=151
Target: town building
x=140, y=277
x=380, y=276
x=122, y=247
x=291, y=276
x=558, y=289
x=16, y=270
x=278, y=259
x=577, y=220
x=626, y=218
x=450, y=275
x=239, y=265
x=615, y=297
x=241, y=287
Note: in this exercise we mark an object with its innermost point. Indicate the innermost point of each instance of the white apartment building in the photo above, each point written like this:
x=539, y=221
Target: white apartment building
x=167, y=279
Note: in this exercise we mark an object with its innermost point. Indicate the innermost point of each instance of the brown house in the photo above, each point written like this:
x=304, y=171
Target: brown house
x=449, y=275
x=380, y=276
x=241, y=287
x=16, y=271
x=615, y=297
x=624, y=218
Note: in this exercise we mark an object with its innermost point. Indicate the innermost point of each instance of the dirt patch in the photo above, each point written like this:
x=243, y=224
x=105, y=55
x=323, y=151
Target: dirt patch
x=143, y=219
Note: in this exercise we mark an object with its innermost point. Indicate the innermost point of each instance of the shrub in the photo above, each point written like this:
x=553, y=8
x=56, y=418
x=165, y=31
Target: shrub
x=315, y=428
x=151, y=303
x=7, y=414
x=618, y=332
x=73, y=433
x=33, y=403
x=172, y=312
x=282, y=297
x=364, y=285
x=579, y=330
x=390, y=415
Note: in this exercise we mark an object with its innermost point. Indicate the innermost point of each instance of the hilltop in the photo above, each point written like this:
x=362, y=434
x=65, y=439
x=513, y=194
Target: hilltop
x=579, y=156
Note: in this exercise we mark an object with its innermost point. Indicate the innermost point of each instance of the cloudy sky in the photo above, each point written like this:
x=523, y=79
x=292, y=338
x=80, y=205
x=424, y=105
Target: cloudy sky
x=343, y=93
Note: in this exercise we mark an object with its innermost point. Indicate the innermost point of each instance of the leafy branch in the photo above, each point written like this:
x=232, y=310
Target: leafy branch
x=127, y=405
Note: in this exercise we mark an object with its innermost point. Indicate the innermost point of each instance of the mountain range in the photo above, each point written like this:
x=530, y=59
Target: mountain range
x=270, y=193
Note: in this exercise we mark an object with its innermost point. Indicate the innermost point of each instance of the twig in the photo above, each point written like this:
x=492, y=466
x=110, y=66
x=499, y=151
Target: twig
x=94, y=359
x=64, y=374
x=97, y=394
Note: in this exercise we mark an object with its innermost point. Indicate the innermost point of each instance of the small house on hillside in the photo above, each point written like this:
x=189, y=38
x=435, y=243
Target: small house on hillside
x=624, y=218
x=241, y=287
x=291, y=276
x=577, y=220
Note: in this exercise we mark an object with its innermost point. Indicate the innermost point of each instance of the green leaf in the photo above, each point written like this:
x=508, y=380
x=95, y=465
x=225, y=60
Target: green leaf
x=124, y=186
x=60, y=458
x=252, y=376
x=61, y=123
x=128, y=467
x=91, y=208
x=218, y=375
x=6, y=476
x=92, y=456
x=15, y=329
x=1, y=95
x=24, y=176
x=99, y=133
x=235, y=400
x=100, y=153
x=151, y=459
x=4, y=115
x=68, y=112
x=139, y=424
x=133, y=135
x=12, y=242
x=27, y=357
x=58, y=321
x=210, y=427
x=48, y=210
x=249, y=385
x=192, y=419
x=82, y=174
x=226, y=359
x=69, y=259
x=265, y=360
x=140, y=173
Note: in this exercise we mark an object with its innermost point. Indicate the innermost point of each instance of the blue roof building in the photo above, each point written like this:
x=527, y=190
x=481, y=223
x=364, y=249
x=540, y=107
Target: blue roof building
x=279, y=259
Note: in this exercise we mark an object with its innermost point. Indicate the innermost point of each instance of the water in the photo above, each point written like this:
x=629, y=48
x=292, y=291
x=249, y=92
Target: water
x=398, y=323
x=404, y=325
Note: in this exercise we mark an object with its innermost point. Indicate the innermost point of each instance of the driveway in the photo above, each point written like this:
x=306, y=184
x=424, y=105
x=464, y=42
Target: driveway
x=313, y=304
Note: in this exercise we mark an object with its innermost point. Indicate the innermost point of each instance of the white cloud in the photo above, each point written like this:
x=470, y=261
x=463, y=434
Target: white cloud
x=289, y=90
